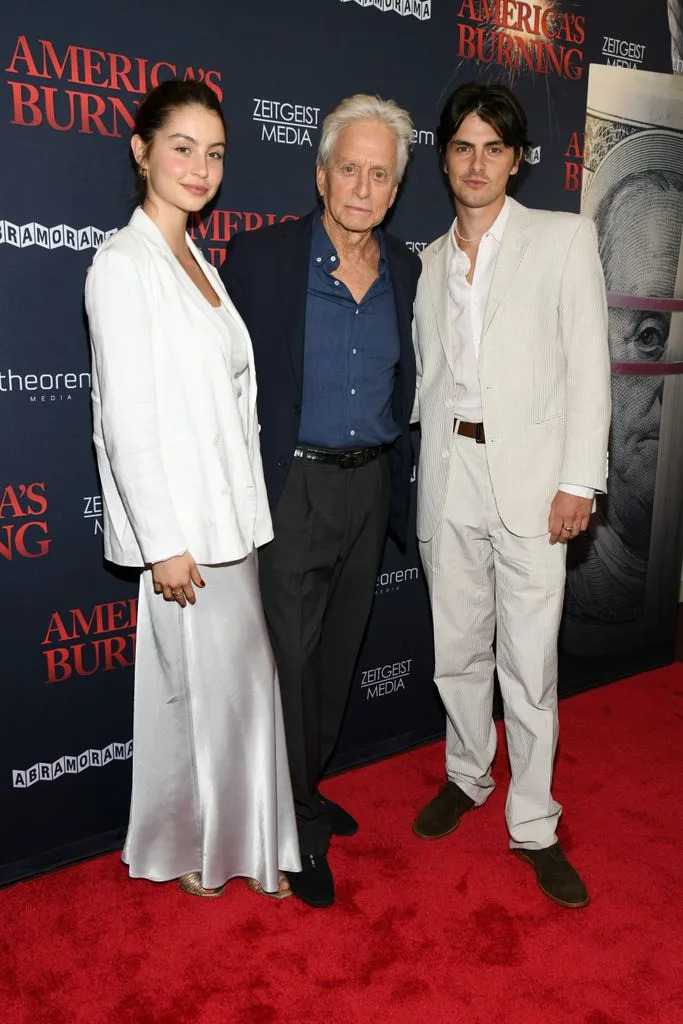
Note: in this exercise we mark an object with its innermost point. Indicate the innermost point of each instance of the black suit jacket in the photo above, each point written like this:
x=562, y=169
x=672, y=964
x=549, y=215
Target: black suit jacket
x=266, y=274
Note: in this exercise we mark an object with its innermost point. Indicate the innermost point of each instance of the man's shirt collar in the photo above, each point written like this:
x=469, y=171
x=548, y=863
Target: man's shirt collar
x=496, y=230
x=324, y=254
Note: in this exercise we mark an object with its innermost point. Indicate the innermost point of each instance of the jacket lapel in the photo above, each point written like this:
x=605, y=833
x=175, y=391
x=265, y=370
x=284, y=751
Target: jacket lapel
x=402, y=290
x=146, y=226
x=512, y=248
x=437, y=283
x=293, y=280
x=141, y=222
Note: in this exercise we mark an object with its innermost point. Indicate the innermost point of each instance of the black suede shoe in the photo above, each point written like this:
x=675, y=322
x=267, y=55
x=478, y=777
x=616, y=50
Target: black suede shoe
x=314, y=883
x=442, y=814
x=556, y=877
x=341, y=822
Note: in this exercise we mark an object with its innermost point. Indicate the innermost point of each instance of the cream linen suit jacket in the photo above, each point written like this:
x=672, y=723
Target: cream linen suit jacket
x=544, y=369
x=177, y=472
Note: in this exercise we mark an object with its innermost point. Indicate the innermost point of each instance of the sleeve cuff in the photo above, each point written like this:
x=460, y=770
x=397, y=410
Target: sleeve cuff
x=578, y=490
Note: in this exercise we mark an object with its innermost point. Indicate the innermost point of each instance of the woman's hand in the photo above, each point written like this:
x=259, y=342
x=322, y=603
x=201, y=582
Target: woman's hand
x=174, y=578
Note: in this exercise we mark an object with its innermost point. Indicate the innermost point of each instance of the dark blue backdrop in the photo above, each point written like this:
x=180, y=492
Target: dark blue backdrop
x=73, y=74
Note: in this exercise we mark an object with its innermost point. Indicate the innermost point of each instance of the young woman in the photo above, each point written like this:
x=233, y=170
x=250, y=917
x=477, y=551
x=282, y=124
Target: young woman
x=176, y=437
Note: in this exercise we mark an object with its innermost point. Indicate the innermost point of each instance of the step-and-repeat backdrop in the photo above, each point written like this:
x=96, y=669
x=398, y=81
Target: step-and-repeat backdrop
x=72, y=76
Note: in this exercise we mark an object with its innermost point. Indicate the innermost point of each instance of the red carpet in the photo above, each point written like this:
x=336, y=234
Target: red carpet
x=442, y=932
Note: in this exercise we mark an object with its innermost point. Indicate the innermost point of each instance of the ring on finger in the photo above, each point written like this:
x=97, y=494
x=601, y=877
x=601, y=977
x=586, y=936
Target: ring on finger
x=177, y=592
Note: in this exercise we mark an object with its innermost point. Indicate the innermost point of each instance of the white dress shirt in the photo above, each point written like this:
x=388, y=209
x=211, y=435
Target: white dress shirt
x=467, y=305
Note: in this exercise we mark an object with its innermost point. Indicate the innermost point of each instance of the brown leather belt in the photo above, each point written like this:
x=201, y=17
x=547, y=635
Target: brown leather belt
x=475, y=430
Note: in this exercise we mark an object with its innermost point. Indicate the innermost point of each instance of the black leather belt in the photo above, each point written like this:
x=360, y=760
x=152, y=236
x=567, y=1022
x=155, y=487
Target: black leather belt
x=475, y=430
x=346, y=458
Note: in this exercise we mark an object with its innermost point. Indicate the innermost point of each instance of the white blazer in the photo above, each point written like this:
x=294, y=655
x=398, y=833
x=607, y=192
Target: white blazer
x=177, y=474
x=544, y=369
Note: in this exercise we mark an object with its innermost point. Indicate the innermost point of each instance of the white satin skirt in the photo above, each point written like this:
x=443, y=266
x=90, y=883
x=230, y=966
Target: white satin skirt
x=211, y=789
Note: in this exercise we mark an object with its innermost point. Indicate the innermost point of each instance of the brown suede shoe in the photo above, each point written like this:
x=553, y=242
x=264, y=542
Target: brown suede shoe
x=556, y=877
x=442, y=814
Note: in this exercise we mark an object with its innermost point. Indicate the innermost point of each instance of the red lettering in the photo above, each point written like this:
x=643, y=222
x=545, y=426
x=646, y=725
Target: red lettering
x=92, y=65
x=580, y=30
x=11, y=501
x=22, y=52
x=112, y=616
x=24, y=96
x=572, y=177
x=58, y=667
x=114, y=648
x=70, y=57
x=466, y=47
x=524, y=12
x=506, y=51
x=552, y=57
x=116, y=72
x=212, y=78
x=118, y=107
x=82, y=626
x=573, y=71
x=57, y=626
x=79, y=661
x=154, y=79
x=142, y=75
x=21, y=539
x=506, y=14
x=575, y=147
x=92, y=107
x=35, y=492
x=205, y=227
x=252, y=221
x=49, y=93
x=216, y=256
x=16, y=541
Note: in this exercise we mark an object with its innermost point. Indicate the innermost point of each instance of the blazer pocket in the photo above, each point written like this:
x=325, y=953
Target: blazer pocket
x=556, y=418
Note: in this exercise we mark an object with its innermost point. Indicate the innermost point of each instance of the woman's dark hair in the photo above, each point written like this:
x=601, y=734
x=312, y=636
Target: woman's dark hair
x=158, y=105
x=495, y=104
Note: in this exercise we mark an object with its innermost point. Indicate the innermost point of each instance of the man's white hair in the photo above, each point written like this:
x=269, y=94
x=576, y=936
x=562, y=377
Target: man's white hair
x=362, y=107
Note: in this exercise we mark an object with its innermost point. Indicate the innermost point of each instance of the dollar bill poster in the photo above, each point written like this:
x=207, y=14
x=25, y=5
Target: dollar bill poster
x=624, y=573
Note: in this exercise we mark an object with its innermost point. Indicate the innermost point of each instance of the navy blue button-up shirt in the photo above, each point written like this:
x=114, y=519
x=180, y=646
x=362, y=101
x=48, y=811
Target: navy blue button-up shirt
x=351, y=351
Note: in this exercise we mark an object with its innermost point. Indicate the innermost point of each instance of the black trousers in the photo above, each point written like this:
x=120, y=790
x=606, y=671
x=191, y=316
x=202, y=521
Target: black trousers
x=317, y=583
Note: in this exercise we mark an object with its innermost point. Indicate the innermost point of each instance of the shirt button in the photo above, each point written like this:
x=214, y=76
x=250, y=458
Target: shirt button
x=354, y=351
x=217, y=439
x=336, y=284
x=444, y=454
x=353, y=391
x=352, y=433
x=282, y=462
x=333, y=259
x=318, y=259
x=357, y=312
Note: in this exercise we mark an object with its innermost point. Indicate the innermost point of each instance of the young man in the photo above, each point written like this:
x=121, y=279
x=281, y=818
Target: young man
x=513, y=401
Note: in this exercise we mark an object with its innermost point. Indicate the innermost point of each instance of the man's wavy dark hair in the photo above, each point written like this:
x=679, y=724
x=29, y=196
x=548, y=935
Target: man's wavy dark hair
x=495, y=104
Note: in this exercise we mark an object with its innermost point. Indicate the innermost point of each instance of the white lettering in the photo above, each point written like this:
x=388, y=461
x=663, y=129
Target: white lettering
x=45, y=771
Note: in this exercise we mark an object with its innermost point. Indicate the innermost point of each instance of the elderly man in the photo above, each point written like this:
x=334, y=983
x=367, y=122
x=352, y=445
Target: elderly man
x=514, y=400
x=328, y=300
